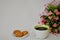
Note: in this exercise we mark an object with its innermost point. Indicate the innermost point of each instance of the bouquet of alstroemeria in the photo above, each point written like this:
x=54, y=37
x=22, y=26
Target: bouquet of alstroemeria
x=52, y=18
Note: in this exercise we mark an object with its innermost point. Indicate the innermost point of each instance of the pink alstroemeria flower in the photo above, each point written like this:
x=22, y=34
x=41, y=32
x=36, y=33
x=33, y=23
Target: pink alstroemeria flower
x=56, y=31
x=49, y=13
x=50, y=17
x=56, y=10
x=56, y=18
x=54, y=25
x=42, y=20
x=57, y=13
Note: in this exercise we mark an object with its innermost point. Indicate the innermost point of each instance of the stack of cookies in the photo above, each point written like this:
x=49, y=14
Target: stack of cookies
x=19, y=33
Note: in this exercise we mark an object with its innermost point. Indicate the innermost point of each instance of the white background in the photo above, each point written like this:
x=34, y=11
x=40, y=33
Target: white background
x=19, y=14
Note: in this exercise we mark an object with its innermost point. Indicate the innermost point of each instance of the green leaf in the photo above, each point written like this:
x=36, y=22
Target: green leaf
x=53, y=30
x=58, y=7
x=53, y=14
x=51, y=8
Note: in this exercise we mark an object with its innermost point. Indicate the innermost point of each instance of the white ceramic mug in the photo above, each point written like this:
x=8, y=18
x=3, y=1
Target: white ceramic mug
x=42, y=33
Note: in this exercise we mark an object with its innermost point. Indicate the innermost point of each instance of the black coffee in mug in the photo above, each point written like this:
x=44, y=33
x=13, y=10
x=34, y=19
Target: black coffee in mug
x=41, y=28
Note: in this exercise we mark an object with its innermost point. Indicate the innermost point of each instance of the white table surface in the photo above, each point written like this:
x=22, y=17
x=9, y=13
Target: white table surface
x=50, y=37
x=31, y=37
